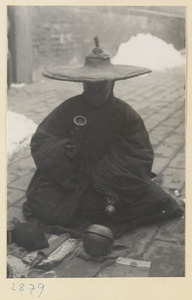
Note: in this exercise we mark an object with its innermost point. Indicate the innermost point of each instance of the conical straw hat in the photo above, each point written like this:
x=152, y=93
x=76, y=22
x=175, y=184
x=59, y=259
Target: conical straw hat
x=97, y=67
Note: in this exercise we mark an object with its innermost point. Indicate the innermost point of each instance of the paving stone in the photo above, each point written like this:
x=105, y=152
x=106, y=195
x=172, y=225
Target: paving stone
x=174, y=95
x=19, y=155
x=161, y=131
x=157, y=105
x=158, y=115
x=168, y=110
x=151, y=123
x=147, y=112
x=168, y=97
x=15, y=212
x=180, y=129
x=179, y=104
x=11, y=175
x=164, y=150
x=172, y=231
x=168, y=259
x=180, y=136
x=160, y=164
x=155, y=138
x=19, y=203
x=154, y=141
x=178, y=161
x=20, y=168
x=149, y=94
x=137, y=240
x=172, y=122
x=182, y=150
x=22, y=183
x=173, y=178
x=138, y=106
x=13, y=195
x=175, y=139
x=179, y=114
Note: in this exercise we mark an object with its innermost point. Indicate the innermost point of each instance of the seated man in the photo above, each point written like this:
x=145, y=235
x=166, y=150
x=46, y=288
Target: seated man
x=94, y=156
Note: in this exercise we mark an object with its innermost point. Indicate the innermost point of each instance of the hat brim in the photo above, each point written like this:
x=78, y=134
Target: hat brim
x=86, y=73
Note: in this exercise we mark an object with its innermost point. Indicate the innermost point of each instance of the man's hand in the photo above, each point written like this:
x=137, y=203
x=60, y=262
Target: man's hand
x=71, y=151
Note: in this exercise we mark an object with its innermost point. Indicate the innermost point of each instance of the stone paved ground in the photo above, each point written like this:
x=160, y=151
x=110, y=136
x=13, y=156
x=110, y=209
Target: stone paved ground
x=159, y=98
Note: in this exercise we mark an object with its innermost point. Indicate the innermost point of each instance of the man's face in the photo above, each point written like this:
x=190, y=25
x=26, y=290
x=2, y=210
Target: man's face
x=97, y=93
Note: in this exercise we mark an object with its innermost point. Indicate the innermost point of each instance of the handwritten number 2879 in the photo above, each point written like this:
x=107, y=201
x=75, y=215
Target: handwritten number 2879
x=32, y=287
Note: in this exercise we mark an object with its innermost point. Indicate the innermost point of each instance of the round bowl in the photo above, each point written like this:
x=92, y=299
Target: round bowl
x=98, y=240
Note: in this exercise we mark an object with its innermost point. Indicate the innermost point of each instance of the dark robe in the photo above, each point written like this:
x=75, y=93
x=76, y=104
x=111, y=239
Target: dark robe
x=114, y=161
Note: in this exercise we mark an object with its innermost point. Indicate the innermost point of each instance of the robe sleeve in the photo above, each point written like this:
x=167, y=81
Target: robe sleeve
x=125, y=170
x=48, y=149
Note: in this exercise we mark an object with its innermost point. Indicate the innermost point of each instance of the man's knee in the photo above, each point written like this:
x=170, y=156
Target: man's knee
x=165, y=201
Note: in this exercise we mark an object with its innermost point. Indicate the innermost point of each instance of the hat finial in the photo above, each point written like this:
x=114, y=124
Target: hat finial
x=97, y=50
x=96, y=39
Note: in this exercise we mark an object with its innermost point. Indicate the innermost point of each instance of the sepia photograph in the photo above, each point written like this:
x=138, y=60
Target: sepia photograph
x=95, y=142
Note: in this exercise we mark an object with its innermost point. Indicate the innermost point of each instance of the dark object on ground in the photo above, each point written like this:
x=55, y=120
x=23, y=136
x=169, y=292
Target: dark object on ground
x=98, y=240
x=43, y=254
x=30, y=236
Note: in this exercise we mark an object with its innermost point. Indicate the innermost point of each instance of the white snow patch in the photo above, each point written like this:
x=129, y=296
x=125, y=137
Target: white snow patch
x=17, y=85
x=145, y=50
x=19, y=132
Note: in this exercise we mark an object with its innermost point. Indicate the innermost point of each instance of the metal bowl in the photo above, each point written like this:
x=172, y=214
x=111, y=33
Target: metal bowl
x=98, y=240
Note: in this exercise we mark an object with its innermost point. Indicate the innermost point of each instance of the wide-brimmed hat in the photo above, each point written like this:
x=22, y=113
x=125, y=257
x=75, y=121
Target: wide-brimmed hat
x=97, y=67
